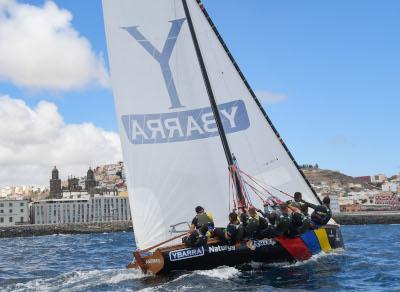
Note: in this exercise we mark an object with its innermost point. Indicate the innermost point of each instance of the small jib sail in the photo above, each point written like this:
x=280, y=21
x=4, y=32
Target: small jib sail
x=170, y=140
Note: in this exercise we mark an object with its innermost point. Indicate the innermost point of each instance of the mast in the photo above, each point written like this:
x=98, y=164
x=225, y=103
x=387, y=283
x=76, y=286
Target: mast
x=223, y=44
x=214, y=107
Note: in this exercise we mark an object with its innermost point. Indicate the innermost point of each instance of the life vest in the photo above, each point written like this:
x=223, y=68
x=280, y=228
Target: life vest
x=232, y=229
x=321, y=217
x=204, y=219
x=283, y=221
x=253, y=223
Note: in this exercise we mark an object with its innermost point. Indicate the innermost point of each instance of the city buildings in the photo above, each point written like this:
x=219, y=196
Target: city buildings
x=378, y=178
x=335, y=208
x=80, y=210
x=13, y=212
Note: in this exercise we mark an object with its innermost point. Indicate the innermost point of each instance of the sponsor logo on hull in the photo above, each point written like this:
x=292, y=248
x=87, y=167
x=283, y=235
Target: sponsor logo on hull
x=182, y=254
x=153, y=261
x=253, y=244
x=219, y=248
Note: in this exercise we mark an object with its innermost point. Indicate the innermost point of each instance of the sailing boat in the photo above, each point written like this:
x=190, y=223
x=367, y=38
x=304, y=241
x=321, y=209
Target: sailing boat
x=187, y=119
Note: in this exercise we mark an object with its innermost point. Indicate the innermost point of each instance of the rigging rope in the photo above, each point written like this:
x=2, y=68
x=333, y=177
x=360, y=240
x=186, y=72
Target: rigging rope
x=258, y=183
x=257, y=187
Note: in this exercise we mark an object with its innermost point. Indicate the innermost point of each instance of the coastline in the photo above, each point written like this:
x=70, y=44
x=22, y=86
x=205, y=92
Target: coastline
x=368, y=217
x=80, y=228
x=360, y=218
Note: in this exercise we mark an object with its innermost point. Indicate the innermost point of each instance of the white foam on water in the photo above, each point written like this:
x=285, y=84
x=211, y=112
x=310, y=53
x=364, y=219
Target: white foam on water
x=222, y=273
x=148, y=289
x=79, y=280
x=126, y=275
x=315, y=258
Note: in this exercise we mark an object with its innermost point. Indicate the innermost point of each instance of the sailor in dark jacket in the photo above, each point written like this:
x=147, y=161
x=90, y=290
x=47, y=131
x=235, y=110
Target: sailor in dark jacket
x=202, y=218
x=254, y=223
x=234, y=231
x=201, y=228
x=322, y=213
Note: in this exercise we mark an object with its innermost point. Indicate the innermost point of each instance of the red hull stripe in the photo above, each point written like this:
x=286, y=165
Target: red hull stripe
x=296, y=247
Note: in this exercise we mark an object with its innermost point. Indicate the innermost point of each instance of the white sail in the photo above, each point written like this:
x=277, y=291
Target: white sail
x=171, y=148
x=258, y=149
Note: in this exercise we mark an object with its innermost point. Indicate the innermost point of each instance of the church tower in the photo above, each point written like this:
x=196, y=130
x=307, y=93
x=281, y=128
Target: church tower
x=90, y=182
x=55, y=185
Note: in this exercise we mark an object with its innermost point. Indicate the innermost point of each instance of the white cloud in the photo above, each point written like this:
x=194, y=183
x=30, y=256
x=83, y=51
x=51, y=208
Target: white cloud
x=40, y=49
x=270, y=97
x=33, y=140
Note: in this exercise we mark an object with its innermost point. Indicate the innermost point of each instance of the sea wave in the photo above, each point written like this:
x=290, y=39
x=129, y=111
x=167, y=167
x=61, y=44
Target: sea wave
x=80, y=263
x=78, y=280
x=221, y=273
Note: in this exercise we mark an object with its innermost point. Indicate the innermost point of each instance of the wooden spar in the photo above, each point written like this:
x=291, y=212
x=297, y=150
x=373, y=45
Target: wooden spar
x=164, y=242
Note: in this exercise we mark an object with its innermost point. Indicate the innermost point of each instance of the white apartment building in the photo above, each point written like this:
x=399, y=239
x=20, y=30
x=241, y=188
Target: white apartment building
x=335, y=208
x=390, y=187
x=13, y=212
x=80, y=210
x=378, y=178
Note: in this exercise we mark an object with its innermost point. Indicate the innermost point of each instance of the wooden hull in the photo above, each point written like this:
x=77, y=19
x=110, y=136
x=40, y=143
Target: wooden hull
x=214, y=254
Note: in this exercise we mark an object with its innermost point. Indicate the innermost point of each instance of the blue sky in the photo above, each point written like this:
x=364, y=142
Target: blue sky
x=336, y=63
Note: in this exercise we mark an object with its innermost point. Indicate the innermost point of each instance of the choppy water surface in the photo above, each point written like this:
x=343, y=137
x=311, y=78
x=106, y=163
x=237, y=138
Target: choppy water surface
x=96, y=262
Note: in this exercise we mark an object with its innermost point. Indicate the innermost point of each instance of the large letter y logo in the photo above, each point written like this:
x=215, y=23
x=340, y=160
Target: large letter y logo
x=162, y=57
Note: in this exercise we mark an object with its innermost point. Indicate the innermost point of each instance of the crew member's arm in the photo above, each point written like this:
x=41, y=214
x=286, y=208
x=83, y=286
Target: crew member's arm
x=315, y=207
x=294, y=209
x=193, y=225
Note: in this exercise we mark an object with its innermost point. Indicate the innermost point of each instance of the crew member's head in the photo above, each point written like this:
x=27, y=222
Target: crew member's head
x=199, y=209
x=297, y=196
x=326, y=201
x=252, y=210
x=232, y=217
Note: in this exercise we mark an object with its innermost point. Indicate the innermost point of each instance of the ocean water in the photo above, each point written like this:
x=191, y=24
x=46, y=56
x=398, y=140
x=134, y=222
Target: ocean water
x=96, y=262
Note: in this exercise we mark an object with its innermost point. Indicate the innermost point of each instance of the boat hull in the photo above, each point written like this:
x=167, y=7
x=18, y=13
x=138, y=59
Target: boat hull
x=214, y=254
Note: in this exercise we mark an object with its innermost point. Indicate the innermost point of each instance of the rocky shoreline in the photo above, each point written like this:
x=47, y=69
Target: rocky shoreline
x=80, y=228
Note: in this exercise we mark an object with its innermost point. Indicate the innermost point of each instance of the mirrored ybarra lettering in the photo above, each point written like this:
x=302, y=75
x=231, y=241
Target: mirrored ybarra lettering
x=186, y=253
x=184, y=125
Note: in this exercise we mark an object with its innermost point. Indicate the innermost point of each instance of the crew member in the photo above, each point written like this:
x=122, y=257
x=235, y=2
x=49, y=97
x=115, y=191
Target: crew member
x=254, y=223
x=233, y=232
x=201, y=219
x=201, y=228
x=299, y=203
x=283, y=218
x=322, y=213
